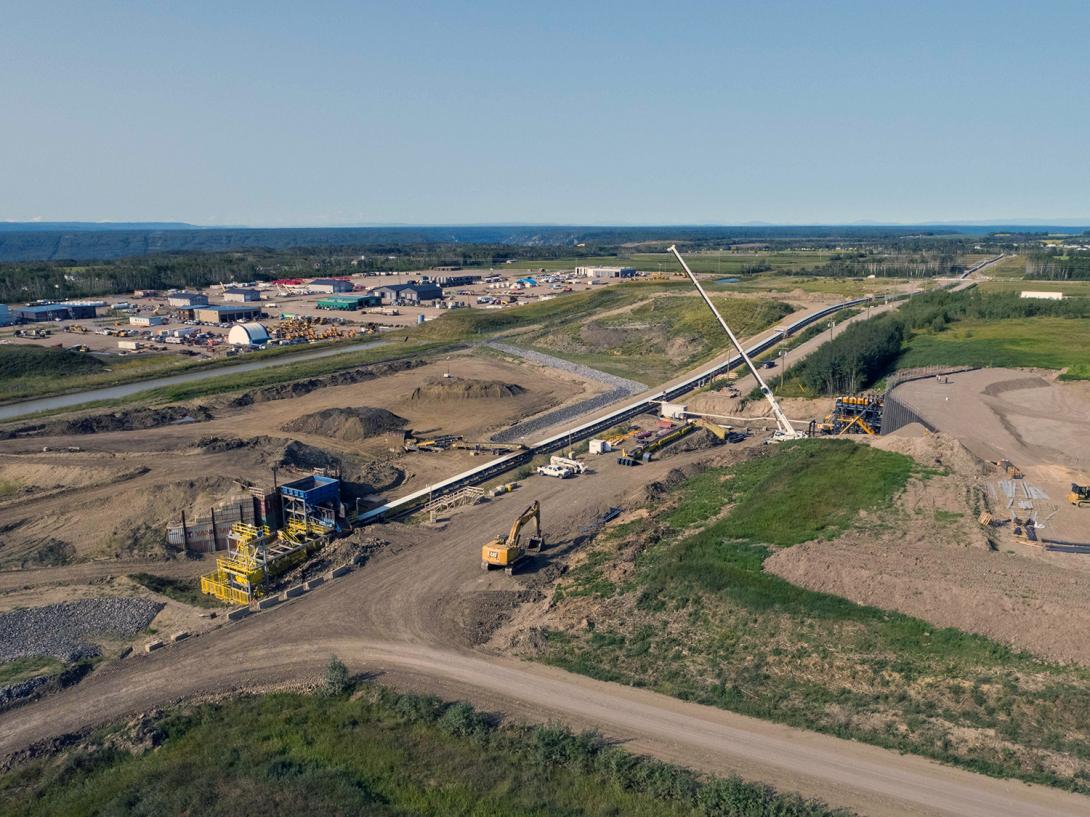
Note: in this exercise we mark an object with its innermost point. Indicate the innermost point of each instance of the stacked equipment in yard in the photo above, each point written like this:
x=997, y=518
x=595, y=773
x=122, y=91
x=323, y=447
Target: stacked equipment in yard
x=856, y=415
x=310, y=512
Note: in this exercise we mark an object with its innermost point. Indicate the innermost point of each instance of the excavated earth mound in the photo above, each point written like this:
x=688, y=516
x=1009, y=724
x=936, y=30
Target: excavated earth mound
x=347, y=424
x=457, y=388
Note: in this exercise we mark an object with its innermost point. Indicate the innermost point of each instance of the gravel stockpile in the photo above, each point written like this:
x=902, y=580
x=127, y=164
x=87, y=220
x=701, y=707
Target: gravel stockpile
x=621, y=388
x=459, y=388
x=629, y=386
x=64, y=630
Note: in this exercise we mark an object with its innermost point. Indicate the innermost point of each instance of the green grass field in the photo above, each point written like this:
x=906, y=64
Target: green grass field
x=379, y=754
x=726, y=262
x=845, y=287
x=28, y=360
x=1070, y=289
x=22, y=668
x=1013, y=266
x=658, y=338
x=1049, y=343
x=730, y=262
x=692, y=613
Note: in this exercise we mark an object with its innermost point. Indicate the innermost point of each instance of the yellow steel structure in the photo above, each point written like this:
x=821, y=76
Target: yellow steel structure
x=256, y=555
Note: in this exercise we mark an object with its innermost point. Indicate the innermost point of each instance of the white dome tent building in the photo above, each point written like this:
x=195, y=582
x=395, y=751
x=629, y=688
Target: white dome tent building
x=248, y=334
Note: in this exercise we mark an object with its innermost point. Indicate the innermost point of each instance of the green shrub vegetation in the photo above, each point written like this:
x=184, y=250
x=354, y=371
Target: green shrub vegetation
x=660, y=335
x=187, y=591
x=28, y=360
x=970, y=328
x=378, y=753
x=698, y=617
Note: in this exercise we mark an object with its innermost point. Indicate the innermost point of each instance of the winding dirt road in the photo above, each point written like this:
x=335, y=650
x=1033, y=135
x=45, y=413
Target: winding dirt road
x=398, y=617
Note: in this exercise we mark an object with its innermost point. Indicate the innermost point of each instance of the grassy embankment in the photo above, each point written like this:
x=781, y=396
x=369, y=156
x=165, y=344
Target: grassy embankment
x=1047, y=343
x=692, y=613
x=377, y=753
x=22, y=668
x=660, y=337
x=58, y=374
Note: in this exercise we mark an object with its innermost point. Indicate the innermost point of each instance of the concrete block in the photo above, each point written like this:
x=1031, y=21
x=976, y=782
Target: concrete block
x=315, y=582
x=181, y=635
x=292, y=592
x=269, y=601
x=339, y=571
x=237, y=613
x=151, y=646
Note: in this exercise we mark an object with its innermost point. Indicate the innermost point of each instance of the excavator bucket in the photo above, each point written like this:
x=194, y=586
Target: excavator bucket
x=535, y=544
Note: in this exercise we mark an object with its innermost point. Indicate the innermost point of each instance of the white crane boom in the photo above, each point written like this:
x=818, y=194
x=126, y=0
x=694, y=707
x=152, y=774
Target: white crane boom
x=786, y=430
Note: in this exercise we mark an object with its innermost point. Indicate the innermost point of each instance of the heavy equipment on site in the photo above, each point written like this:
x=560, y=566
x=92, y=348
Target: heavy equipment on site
x=509, y=552
x=1079, y=496
x=784, y=431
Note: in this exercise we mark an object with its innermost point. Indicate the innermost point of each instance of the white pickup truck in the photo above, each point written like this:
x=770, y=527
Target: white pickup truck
x=554, y=471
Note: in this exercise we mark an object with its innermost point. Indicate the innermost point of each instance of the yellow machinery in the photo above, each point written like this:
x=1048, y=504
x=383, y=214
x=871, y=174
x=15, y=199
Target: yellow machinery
x=258, y=554
x=507, y=553
x=1012, y=470
x=616, y=440
x=1079, y=496
x=716, y=429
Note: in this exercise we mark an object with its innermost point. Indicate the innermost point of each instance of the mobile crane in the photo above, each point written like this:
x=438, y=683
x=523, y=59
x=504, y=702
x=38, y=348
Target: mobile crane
x=508, y=553
x=785, y=430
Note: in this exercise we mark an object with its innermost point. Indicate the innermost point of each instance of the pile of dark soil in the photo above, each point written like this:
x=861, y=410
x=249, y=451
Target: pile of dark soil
x=347, y=424
x=127, y=420
x=285, y=391
x=458, y=388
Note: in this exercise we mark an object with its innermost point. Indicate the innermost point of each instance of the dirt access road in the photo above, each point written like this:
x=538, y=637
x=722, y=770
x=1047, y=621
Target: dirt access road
x=399, y=615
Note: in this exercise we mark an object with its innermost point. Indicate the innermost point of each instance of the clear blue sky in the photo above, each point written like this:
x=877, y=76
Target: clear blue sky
x=272, y=113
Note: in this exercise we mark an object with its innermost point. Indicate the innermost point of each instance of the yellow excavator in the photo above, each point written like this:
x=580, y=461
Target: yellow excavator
x=508, y=553
x=1079, y=496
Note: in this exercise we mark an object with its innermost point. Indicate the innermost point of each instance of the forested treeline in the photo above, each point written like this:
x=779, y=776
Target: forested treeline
x=1055, y=266
x=867, y=351
x=27, y=281
x=921, y=263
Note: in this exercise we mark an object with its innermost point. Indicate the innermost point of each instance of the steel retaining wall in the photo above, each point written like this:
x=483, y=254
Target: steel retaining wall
x=483, y=473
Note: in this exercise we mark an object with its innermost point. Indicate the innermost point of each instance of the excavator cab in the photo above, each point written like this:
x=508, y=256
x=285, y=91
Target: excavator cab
x=508, y=553
x=1079, y=496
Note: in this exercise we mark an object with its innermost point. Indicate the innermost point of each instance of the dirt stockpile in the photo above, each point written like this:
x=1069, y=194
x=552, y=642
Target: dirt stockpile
x=64, y=630
x=285, y=391
x=128, y=420
x=932, y=450
x=347, y=424
x=458, y=388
